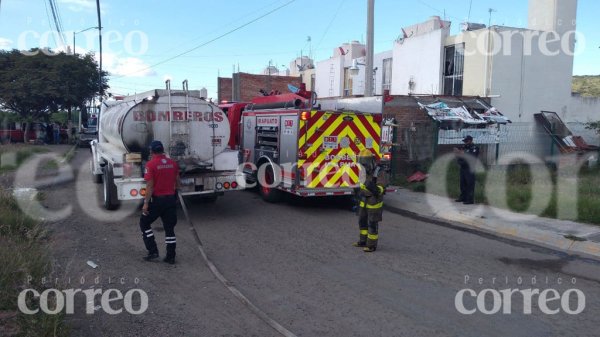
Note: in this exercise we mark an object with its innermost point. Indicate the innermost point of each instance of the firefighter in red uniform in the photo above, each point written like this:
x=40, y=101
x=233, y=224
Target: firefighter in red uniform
x=162, y=180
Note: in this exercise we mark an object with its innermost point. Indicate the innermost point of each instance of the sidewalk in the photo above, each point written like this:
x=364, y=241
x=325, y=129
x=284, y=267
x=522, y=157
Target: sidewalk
x=584, y=239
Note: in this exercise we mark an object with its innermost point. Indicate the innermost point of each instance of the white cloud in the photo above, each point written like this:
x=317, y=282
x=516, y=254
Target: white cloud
x=126, y=66
x=5, y=43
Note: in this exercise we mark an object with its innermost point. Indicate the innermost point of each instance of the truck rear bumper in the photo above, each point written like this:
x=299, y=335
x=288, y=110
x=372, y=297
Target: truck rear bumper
x=135, y=188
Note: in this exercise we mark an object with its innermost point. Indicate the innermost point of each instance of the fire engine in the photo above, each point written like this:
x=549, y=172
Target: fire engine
x=297, y=144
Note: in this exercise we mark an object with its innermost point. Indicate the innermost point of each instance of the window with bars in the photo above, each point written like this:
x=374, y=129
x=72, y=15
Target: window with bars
x=454, y=62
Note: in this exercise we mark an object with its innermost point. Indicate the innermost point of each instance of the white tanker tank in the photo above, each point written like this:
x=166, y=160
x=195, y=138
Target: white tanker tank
x=131, y=124
x=194, y=132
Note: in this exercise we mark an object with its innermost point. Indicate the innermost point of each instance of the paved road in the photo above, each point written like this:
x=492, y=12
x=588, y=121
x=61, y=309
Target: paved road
x=295, y=262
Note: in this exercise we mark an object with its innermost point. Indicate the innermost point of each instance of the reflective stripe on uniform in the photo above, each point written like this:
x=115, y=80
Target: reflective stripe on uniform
x=376, y=206
x=364, y=232
x=362, y=204
x=373, y=236
x=381, y=188
x=170, y=239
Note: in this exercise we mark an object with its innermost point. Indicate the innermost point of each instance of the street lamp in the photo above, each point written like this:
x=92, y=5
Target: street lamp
x=81, y=31
x=354, y=70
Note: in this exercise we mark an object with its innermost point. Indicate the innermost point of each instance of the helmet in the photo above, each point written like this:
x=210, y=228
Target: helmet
x=367, y=160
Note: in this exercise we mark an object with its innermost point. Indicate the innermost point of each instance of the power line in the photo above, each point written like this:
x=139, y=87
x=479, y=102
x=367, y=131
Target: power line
x=215, y=39
x=231, y=23
x=50, y=22
x=57, y=22
x=337, y=11
x=443, y=12
x=60, y=22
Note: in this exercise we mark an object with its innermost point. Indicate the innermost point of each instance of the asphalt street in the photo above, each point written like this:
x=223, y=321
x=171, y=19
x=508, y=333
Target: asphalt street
x=294, y=261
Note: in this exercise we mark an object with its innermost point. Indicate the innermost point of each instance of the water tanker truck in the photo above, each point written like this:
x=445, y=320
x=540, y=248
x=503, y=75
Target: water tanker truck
x=194, y=132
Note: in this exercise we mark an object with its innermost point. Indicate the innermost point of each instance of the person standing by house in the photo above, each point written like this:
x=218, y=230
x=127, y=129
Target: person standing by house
x=56, y=132
x=162, y=179
x=467, y=157
x=370, y=199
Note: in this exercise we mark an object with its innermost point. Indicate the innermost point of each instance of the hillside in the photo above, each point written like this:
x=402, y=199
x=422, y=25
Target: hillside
x=588, y=86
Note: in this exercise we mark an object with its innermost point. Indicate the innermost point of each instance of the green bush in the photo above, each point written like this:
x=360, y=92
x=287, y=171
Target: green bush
x=23, y=254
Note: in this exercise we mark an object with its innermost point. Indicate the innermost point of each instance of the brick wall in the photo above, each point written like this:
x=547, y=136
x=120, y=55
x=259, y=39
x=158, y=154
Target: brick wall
x=224, y=89
x=415, y=135
x=247, y=86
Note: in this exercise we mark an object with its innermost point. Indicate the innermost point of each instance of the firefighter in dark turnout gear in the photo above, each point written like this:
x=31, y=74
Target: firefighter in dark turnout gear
x=467, y=157
x=370, y=199
x=162, y=178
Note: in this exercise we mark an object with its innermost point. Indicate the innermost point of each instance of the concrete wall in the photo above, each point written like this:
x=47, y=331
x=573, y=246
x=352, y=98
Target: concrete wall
x=419, y=58
x=305, y=77
x=358, y=82
x=582, y=110
x=552, y=15
x=526, y=78
x=329, y=81
x=519, y=72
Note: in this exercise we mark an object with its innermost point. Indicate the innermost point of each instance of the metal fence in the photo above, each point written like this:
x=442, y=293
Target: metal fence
x=417, y=146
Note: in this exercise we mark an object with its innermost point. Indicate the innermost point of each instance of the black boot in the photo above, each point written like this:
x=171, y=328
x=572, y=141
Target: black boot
x=371, y=245
x=151, y=256
x=362, y=239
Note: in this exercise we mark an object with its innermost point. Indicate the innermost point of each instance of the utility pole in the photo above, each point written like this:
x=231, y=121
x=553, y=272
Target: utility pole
x=370, y=48
x=100, y=42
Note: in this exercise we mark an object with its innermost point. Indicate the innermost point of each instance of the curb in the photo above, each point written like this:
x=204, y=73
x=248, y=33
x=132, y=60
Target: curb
x=541, y=238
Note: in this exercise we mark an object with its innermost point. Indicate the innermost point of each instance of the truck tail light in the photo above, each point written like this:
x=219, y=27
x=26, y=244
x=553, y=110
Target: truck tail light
x=305, y=115
x=234, y=185
x=133, y=192
x=226, y=186
x=143, y=192
x=387, y=156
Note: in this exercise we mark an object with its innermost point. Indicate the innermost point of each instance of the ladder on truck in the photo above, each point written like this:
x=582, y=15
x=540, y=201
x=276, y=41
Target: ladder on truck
x=179, y=130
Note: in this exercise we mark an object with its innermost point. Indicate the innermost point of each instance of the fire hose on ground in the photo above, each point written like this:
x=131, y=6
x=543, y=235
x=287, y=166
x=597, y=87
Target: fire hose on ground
x=229, y=285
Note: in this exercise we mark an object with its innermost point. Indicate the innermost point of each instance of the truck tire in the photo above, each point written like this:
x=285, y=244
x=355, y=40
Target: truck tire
x=111, y=200
x=96, y=178
x=270, y=194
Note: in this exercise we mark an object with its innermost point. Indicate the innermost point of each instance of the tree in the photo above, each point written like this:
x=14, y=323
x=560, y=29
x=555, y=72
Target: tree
x=34, y=84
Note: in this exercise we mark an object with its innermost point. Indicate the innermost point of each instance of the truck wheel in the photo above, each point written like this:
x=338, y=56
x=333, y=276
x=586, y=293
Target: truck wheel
x=111, y=201
x=96, y=178
x=269, y=194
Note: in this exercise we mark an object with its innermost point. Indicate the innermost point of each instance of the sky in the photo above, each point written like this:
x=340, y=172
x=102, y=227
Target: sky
x=146, y=42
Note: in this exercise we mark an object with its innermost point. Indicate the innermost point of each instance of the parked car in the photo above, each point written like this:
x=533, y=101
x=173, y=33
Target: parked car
x=89, y=132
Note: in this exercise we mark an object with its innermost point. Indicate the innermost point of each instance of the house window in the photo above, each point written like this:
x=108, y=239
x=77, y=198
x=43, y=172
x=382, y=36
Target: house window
x=387, y=74
x=347, y=83
x=454, y=62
